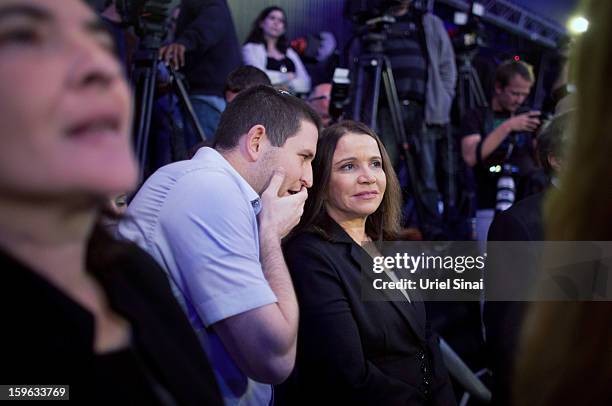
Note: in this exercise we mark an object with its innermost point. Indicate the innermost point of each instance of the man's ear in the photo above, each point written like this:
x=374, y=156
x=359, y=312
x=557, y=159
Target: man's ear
x=256, y=138
x=498, y=88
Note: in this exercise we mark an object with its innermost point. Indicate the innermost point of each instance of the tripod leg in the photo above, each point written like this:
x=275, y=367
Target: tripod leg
x=402, y=139
x=479, y=94
x=358, y=96
x=378, y=70
x=394, y=106
x=450, y=172
x=462, y=94
x=145, y=92
x=181, y=92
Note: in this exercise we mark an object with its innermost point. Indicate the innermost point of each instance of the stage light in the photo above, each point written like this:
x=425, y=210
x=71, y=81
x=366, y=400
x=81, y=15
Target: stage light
x=517, y=58
x=578, y=25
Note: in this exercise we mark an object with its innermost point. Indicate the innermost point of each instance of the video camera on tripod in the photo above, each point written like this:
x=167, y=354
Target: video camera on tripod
x=466, y=42
x=471, y=34
x=374, y=82
x=150, y=20
x=370, y=13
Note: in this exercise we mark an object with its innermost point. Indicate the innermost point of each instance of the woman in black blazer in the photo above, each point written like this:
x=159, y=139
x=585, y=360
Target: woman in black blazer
x=352, y=351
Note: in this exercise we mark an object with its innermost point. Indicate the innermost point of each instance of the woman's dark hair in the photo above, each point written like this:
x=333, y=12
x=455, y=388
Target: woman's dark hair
x=256, y=35
x=384, y=223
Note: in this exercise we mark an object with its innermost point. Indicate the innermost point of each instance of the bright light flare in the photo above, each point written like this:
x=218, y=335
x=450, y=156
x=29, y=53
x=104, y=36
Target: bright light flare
x=578, y=25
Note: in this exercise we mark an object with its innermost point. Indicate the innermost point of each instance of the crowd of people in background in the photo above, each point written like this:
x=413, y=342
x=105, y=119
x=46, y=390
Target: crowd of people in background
x=233, y=275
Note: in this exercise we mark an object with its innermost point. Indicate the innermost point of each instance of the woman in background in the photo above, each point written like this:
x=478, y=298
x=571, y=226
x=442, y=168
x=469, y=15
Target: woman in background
x=351, y=351
x=566, y=350
x=78, y=308
x=267, y=48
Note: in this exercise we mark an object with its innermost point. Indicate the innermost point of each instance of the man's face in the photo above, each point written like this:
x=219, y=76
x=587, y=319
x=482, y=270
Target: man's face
x=295, y=156
x=511, y=97
x=319, y=101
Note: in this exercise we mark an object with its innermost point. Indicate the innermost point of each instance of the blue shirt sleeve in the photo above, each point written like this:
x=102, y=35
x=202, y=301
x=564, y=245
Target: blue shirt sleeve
x=211, y=229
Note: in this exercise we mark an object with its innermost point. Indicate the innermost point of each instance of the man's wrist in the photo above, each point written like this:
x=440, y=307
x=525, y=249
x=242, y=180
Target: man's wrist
x=507, y=126
x=268, y=235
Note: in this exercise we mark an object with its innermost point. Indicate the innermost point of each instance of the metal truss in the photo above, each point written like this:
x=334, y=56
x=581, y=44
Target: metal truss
x=514, y=18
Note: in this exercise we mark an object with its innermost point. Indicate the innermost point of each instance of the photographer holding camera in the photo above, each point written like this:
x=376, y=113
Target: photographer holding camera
x=500, y=135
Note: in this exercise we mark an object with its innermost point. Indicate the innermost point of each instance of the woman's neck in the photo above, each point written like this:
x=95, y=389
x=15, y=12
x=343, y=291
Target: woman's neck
x=50, y=237
x=271, y=43
x=354, y=227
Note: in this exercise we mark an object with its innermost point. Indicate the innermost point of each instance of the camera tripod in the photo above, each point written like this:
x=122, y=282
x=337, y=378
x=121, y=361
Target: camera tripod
x=144, y=80
x=469, y=88
x=373, y=71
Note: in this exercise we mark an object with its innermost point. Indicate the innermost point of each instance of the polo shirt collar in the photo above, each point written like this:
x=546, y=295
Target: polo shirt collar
x=250, y=193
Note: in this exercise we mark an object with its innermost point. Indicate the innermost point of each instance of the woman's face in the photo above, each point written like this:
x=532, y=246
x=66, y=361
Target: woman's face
x=357, y=182
x=65, y=107
x=273, y=25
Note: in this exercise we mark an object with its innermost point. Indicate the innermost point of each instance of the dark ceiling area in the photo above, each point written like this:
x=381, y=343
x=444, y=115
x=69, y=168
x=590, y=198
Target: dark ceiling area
x=558, y=10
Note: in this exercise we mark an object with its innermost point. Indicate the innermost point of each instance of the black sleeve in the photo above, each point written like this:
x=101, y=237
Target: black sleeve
x=206, y=29
x=502, y=320
x=507, y=227
x=330, y=354
x=472, y=123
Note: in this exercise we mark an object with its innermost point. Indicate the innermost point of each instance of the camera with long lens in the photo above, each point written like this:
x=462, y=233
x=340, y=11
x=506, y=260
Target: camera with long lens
x=149, y=19
x=339, y=97
x=471, y=34
x=376, y=15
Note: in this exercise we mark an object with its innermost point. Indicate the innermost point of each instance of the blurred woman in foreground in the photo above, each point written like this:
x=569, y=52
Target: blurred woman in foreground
x=78, y=308
x=566, y=352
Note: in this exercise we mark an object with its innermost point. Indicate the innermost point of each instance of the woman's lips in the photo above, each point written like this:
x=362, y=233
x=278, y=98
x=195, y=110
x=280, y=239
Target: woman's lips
x=97, y=127
x=94, y=123
x=94, y=127
x=367, y=195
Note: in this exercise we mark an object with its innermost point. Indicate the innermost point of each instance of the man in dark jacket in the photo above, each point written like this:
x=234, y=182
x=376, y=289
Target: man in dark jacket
x=521, y=222
x=207, y=50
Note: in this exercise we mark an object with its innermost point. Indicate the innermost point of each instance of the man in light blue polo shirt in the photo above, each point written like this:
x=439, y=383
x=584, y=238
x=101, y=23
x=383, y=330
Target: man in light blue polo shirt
x=215, y=223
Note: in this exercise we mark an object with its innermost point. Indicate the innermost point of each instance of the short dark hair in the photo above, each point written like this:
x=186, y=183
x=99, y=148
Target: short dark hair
x=278, y=111
x=244, y=77
x=256, y=35
x=552, y=139
x=384, y=223
x=508, y=69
